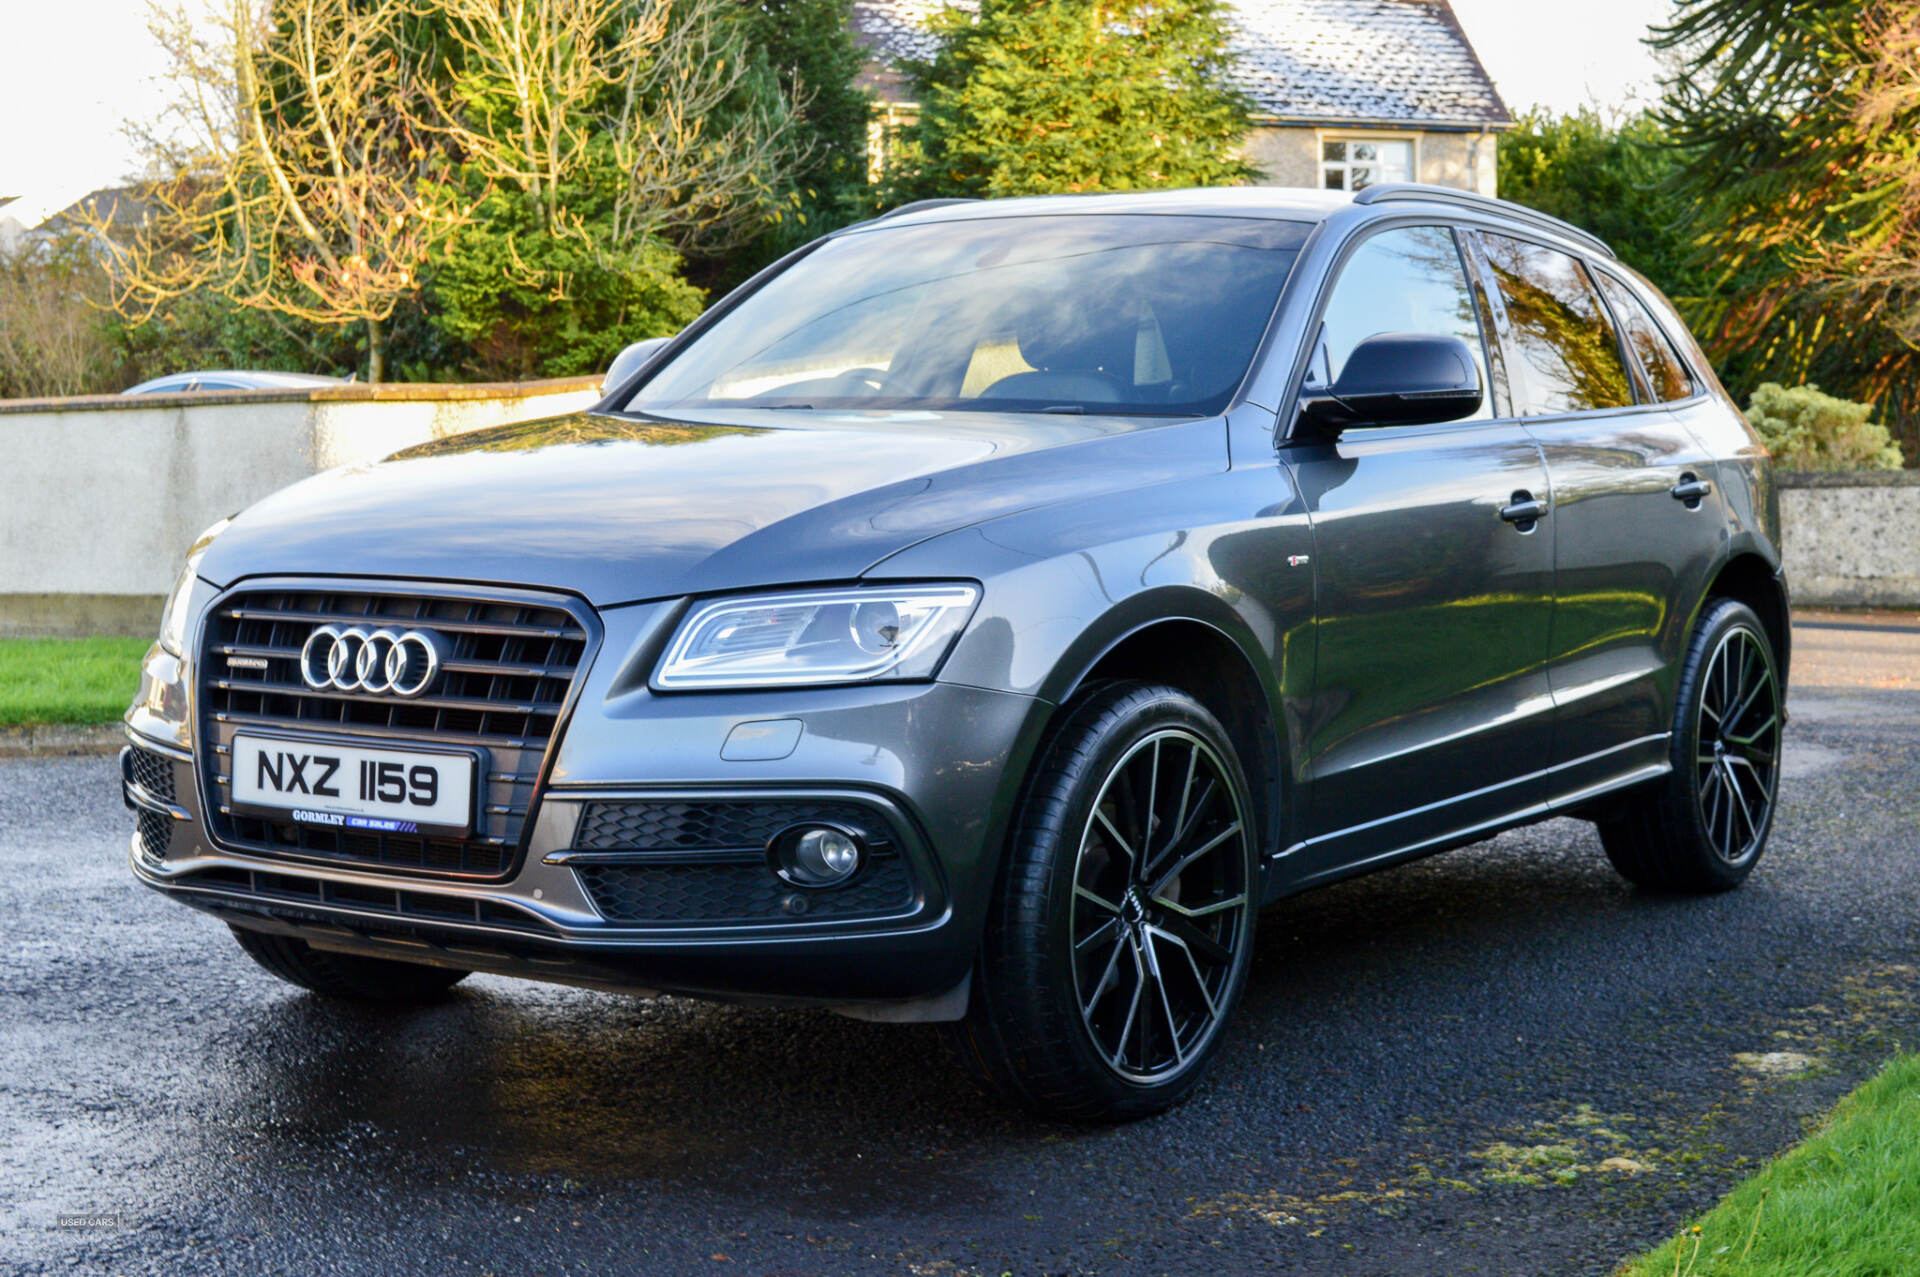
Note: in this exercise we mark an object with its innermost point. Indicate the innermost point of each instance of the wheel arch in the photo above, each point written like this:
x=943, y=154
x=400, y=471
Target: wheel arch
x=1748, y=578
x=1217, y=661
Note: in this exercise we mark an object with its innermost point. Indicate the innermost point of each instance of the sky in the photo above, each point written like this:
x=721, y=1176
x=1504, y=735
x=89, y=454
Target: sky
x=1566, y=54
x=72, y=70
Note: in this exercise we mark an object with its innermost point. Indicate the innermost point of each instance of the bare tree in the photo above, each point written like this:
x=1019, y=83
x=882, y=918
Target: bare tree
x=52, y=340
x=296, y=178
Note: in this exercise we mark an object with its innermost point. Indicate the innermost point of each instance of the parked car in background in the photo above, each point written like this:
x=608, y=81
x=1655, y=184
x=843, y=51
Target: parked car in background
x=979, y=615
x=184, y=382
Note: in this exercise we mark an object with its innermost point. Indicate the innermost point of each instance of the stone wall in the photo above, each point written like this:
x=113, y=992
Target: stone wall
x=1285, y=156
x=104, y=493
x=1469, y=161
x=1852, y=538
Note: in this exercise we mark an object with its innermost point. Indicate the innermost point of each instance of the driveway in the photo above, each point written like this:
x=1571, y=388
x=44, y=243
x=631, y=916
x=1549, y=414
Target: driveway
x=1502, y=1060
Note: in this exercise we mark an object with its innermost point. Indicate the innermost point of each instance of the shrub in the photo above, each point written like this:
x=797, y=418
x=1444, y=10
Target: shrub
x=54, y=337
x=1806, y=429
x=1041, y=99
x=1612, y=176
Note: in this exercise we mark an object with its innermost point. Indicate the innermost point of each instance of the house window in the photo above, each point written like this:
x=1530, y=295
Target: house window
x=1349, y=164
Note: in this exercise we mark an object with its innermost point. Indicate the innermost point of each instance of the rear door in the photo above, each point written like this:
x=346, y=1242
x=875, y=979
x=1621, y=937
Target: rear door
x=1636, y=520
x=1431, y=706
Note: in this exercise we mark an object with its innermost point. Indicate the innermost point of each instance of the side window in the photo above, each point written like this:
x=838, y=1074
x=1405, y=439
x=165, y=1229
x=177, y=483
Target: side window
x=1408, y=280
x=1665, y=373
x=1565, y=356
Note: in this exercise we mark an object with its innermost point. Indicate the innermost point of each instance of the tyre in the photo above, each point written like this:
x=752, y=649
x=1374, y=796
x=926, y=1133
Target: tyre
x=1122, y=924
x=1703, y=826
x=341, y=975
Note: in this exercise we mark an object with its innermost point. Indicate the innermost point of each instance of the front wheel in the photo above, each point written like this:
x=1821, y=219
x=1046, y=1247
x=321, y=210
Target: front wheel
x=1703, y=826
x=1123, y=924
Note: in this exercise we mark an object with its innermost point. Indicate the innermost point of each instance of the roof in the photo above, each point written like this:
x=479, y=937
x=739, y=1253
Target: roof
x=248, y=379
x=1287, y=203
x=1405, y=62
x=1282, y=203
x=120, y=207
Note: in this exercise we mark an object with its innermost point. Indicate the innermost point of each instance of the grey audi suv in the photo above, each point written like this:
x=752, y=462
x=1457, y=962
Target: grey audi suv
x=979, y=615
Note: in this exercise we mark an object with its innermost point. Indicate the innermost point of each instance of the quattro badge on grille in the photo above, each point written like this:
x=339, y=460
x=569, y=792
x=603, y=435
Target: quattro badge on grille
x=380, y=661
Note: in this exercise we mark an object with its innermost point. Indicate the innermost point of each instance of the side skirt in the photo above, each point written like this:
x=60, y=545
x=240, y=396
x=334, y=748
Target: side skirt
x=1568, y=785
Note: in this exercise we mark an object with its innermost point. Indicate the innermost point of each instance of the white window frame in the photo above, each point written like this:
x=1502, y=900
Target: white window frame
x=1324, y=136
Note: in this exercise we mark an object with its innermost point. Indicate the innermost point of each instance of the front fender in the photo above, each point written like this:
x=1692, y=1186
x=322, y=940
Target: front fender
x=1067, y=585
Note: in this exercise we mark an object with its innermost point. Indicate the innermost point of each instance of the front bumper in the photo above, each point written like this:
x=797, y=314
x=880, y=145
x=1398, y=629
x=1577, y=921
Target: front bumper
x=936, y=765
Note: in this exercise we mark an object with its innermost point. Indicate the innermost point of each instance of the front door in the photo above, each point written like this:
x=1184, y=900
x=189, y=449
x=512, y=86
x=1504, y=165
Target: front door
x=1431, y=710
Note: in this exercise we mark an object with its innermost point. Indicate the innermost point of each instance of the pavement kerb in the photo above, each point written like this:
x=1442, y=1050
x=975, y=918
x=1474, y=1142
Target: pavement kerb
x=52, y=739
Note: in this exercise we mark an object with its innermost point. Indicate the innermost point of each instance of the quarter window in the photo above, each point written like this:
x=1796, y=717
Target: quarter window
x=1350, y=164
x=1567, y=354
x=1408, y=280
x=1666, y=375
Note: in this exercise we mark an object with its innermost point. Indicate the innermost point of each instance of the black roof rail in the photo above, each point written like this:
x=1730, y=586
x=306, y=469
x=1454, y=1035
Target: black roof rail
x=1394, y=192
x=921, y=206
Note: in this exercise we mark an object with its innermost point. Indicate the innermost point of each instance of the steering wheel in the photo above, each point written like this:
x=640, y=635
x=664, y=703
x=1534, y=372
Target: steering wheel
x=855, y=383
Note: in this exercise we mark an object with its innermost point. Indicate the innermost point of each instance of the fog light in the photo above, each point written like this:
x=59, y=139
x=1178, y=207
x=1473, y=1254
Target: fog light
x=816, y=855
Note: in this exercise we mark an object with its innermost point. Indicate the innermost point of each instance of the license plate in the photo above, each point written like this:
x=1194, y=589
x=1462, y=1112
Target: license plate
x=396, y=791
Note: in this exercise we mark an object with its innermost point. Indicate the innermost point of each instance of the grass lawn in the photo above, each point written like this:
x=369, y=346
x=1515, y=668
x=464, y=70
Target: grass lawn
x=89, y=680
x=1845, y=1202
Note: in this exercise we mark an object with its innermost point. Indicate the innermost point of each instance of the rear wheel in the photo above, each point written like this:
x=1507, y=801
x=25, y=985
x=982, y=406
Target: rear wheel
x=342, y=975
x=1123, y=926
x=1703, y=826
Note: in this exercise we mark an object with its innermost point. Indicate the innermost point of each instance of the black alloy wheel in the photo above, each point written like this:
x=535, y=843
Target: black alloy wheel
x=1738, y=756
x=1123, y=925
x=1159, y=905
x=1704, y=826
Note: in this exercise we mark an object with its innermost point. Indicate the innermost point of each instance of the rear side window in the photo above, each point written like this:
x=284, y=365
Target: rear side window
x=1408, y=280
x=1565, y=354
x=1666, y=375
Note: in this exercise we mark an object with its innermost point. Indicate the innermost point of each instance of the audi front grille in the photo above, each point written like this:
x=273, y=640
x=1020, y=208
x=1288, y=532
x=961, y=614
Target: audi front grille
x=511, y=661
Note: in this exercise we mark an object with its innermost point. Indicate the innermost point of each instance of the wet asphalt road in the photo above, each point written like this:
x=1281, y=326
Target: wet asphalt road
x=1503, y=1060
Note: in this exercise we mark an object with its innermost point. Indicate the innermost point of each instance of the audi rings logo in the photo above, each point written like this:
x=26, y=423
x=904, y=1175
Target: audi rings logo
x=382, y=661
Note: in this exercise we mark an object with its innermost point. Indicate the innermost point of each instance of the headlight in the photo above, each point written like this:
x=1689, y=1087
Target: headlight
x=178, y=614
x=816, y=636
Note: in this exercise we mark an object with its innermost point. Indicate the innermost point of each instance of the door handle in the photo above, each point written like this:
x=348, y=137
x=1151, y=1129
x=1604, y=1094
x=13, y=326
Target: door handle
x=1690, y=489
x=1524, y=511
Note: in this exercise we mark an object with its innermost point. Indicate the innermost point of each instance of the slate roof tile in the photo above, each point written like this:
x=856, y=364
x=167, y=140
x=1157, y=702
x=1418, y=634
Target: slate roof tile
x=1397, y=61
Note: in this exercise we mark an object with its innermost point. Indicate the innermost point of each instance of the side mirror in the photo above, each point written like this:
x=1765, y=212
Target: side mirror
x=628, y=361
x=1399, y=379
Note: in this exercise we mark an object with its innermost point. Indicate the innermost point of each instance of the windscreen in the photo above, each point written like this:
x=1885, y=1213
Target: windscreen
x=1127, y=314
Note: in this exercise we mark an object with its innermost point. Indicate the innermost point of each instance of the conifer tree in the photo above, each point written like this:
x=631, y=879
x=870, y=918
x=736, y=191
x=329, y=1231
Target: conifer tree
x=1797, y=122
x=1055, y=96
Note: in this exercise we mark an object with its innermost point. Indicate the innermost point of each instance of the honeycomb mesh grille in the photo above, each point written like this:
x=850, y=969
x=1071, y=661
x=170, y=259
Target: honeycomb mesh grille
x=152, y=772
x=512, y=665
x=739, y=893
x=713, y=825
x=706, y=862
x=156, y=831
